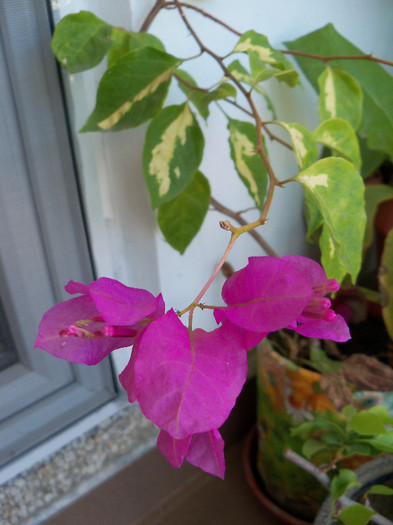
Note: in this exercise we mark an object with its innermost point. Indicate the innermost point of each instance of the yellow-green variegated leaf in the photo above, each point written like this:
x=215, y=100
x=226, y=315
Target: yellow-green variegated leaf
x=172, y=152
x=258, y=44
x=125, y=41
x=132, y=91
x=374, y=195
x=339, y=136
x=181, y=218
x=80, y=41
x=340, y=95
x=376, y=82
x=385, y=277
x=335, y=187
x=241, y=74
x=248, y=164
x=303, y=143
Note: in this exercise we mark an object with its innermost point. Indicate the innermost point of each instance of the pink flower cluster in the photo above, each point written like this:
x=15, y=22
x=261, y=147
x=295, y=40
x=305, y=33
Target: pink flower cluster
x=187, y=382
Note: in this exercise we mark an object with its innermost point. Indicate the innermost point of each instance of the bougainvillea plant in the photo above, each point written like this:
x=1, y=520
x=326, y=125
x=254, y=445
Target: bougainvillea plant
x=187, y=380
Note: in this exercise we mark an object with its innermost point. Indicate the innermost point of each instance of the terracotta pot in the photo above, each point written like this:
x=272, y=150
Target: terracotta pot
x=255, y=483
x=287, y=396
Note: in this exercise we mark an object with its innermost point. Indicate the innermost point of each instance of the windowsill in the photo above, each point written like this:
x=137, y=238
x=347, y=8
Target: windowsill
x=150, y=492
x=64, y=475
x=73, y=477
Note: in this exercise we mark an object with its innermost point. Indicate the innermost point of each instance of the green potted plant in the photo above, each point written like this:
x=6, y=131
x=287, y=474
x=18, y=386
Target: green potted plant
x=186, y=380
x=330, y=441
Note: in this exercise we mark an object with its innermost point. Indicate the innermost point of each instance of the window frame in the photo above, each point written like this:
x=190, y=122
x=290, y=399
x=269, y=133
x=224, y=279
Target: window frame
x=39, y=395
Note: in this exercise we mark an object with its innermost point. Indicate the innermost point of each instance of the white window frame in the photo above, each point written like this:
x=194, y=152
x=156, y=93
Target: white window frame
x=43, y=236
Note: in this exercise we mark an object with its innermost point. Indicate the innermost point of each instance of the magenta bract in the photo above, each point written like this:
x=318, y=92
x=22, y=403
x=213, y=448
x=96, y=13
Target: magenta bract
x=205, y=450
x=266, y=295
x=187, y=386
x=270, y=294
x=87, y=328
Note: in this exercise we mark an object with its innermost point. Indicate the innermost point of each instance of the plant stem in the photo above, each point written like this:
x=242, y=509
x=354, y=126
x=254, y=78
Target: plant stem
x=151, y=15
x=198, y=298
x=368, y=57
x=239, y=219
x=206, y=14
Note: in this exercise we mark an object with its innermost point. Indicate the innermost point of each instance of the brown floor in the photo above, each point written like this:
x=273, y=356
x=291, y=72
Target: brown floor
x=150, y=492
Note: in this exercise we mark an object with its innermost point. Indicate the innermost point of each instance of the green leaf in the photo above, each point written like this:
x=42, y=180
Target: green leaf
x=181, y=218
x=385, y=278
x=364, y=449
x=340, y=96
x=196, y=97
x=382, y=442
x=335, y=187
x=125, y=41
x=374, y=195
x=132, y=91
x=303, y=143
x=348, y=411
x=344, y=480
x=382, y=412
x=312, y=447
x=304, y=429
x=338, y=135
x=356, y=515
x=172, y=152
x=377, y=84
x=314, y=220
x=242, y=75
x=371, y=159
x=366, y=423
x=80, y=41
x=322, y=362
x=261, y=73
x=248, y=164
x=383, y=490
x=224, y=90
x=258, y=45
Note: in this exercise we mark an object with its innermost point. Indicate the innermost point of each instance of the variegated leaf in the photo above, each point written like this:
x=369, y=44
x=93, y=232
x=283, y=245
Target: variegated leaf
x=248, y=164
x=336, y=188
x=181, y=218
x=340, y=96
x=172, y=152
x=242, y=75
x=132, y=91
x=252, y=42
x=338, y=135
x=376, y=82
x=303, y=143
x=80, y=41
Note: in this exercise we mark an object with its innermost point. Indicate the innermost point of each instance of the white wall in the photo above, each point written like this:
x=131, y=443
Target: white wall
x=126, y=243
x=363, y=22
